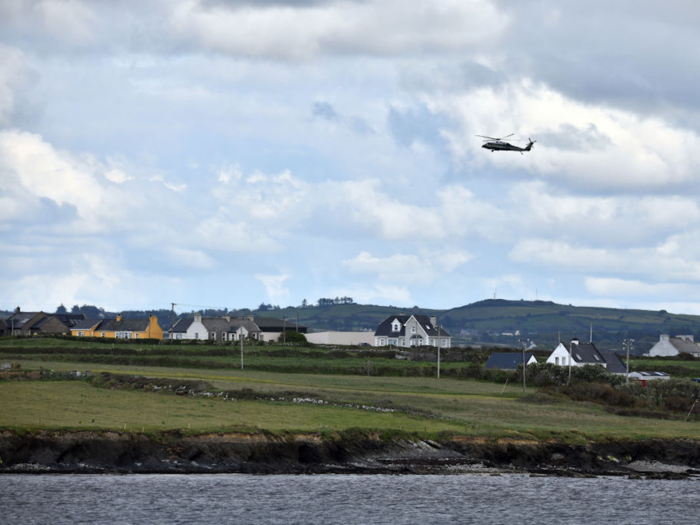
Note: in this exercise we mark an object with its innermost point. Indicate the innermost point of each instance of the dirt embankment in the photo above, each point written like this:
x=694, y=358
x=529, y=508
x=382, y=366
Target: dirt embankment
x=115, y=452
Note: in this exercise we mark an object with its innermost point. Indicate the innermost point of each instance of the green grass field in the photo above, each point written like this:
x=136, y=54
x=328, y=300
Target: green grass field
x=423, y=403
x=464, y=407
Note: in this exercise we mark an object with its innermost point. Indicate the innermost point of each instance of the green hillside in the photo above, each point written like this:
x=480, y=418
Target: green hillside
x=485, y=321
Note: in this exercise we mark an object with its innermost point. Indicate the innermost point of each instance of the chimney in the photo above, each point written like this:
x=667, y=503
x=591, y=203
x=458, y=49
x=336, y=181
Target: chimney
x=664, y=337
x=119, y=317
x=198, y=317
x=250, y=318
x=574, y=341
x=227, y=317
x=433, y=321
x=17, y=310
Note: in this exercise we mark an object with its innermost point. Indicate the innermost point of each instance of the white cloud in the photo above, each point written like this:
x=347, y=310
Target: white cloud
x=192, y=258
x=616, y=287
x=15, y=80
x=274, y=288
x=71, y=21
x=409, y=269
x=638, y=152
x=284, y=31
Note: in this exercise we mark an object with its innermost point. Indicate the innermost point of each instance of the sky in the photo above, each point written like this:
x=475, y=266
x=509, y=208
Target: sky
x=226, y=153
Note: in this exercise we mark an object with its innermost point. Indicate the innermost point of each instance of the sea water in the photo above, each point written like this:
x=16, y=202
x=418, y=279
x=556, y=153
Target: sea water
x=336, y=499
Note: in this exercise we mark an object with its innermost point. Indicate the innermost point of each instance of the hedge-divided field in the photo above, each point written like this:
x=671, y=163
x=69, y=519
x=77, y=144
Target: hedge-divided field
x=304, y=388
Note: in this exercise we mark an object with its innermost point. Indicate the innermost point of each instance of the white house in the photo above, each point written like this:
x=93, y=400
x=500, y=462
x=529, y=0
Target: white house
x=670, y=346
x=411, y=330
x=583, y=354
x=222, y=328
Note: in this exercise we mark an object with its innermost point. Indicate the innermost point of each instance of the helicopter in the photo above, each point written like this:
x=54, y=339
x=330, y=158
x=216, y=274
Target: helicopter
x=499, y=144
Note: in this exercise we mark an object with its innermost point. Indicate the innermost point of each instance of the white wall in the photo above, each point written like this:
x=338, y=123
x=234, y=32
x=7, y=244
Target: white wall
x=340, y=338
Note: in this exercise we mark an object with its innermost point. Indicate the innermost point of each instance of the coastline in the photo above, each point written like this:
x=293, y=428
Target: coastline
x=110, y=452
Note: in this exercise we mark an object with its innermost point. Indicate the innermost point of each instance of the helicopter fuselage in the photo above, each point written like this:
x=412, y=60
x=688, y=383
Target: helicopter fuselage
x=504, y=146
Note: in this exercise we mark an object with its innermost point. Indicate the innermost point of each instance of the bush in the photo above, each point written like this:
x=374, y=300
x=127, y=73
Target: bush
x=292, y=337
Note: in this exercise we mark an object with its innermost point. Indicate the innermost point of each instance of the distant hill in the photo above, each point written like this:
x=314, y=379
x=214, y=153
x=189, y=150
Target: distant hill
x=489, y=322
x=486, y=321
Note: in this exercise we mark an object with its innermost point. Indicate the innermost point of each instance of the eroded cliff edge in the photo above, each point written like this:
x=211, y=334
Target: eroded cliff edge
x=358, y=452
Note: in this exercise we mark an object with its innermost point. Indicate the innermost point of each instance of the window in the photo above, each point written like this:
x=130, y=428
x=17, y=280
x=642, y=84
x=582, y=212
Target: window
x=136, y=336
x=196, y=335
x=395, y=326
x=556, y=360
x=413, y=329
x=212, y=336
x=381, y=342
x=179, y=336
x=444, y=343
x=393, y=341
x=81, y=334
x=102, y=334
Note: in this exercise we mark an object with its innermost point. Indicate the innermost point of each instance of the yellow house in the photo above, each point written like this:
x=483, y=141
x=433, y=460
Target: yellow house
x=119, y=328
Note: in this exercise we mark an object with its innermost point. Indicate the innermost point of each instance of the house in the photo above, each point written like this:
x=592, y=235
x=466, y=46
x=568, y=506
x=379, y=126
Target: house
x=411, y=330
x=38, y=323
x=508, y=360
x=119, y=328
x=225, y=328
x=670, y=346
x=583, y=354
x=271, y=329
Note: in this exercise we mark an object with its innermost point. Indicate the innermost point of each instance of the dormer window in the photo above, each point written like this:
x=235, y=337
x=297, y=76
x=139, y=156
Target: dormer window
x=413, y=329
x=395, y=326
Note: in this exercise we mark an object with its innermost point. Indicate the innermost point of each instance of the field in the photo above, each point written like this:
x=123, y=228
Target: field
x=423, y=405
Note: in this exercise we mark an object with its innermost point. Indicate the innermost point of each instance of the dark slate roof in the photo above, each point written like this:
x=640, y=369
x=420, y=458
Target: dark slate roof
x=384, y=328
x=269, y=324
x=588, y=354
x=40, y=322
x=614, y=364
x=20, y=318
x=216, y=324
x=86, y=324
x=182, y=325
x=506, y=360
x=125, y=325
x=69, y=319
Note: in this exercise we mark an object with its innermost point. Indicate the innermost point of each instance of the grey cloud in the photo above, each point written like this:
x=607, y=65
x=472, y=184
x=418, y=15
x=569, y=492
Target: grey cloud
x=641, y=55
x=326, y=111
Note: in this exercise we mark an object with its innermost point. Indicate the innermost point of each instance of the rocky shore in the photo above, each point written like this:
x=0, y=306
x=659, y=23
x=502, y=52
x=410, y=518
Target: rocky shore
x=261, y=453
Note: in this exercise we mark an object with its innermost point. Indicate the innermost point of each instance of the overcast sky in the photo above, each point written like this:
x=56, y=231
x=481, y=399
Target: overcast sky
x=226, y=153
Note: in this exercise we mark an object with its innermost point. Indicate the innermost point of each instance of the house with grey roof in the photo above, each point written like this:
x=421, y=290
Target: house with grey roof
x=410, y=331
x=508, y=360
x=583, y=354
x=39, y=323
x=225, y=328
x=670, y=346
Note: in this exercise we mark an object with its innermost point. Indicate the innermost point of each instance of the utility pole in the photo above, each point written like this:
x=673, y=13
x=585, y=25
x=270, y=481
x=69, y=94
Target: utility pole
x=571, y=349
x=628, y=343
x=240, y=336
x=437, y=343
x=284, y=329
x=522, y=343
x=172, y=314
